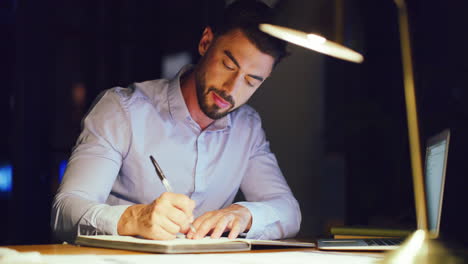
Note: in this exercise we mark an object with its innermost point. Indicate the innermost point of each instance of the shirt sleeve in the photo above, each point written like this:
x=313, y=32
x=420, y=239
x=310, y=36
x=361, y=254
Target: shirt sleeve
x=79, y=205
x=275, y=211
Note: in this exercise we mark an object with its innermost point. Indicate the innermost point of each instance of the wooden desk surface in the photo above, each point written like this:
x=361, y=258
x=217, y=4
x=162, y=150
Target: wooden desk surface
x=67, y=249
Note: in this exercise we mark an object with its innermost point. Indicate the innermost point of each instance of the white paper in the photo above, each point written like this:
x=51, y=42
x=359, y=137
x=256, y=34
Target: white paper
x=242, y=258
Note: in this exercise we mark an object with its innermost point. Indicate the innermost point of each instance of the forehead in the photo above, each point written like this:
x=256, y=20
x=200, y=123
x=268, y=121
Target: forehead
x=245, y=52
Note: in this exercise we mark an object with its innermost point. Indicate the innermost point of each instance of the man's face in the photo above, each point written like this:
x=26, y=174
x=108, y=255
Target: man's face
x=230, y=71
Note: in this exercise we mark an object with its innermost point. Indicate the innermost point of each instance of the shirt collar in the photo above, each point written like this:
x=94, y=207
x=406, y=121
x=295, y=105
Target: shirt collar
x=178, y=109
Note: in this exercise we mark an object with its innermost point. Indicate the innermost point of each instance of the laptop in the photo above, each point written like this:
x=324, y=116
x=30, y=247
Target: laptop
x=435, y=168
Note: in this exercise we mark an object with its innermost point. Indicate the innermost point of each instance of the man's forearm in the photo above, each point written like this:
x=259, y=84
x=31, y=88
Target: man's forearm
x=71, y=212
x=274, y=219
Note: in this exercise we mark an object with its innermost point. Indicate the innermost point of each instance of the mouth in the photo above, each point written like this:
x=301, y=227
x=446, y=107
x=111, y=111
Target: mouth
x=220, y=102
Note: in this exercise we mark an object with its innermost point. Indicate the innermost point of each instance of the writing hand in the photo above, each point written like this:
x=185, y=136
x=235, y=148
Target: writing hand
x=166, y=216
x=235, y=218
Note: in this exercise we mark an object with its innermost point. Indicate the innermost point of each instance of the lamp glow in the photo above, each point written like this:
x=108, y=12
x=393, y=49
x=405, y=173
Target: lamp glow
x=313, y=42
x=419, y=247
x=316, y=38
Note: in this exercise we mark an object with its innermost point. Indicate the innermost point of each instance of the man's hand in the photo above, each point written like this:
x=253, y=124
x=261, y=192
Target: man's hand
x=235, y=218
x=166, y=216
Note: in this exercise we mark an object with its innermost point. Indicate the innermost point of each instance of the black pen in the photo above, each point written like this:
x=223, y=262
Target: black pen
x=160, y=174
x=165, y=182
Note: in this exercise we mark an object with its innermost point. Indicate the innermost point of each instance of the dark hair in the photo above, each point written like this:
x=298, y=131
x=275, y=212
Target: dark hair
x=246, y=15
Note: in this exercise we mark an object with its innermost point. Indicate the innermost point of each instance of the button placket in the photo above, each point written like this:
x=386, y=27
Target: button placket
x=201, y=163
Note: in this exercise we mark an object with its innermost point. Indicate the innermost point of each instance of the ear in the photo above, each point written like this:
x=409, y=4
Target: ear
x=205, y=41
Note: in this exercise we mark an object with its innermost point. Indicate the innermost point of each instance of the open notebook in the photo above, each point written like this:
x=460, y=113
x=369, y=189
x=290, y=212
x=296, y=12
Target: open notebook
x=181, y=245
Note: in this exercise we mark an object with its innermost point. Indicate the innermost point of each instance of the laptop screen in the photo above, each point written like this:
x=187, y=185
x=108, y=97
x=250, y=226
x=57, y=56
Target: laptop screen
x=436, y=160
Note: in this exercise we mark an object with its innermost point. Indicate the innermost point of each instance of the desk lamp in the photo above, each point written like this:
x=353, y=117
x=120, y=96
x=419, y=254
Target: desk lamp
x=419, y=247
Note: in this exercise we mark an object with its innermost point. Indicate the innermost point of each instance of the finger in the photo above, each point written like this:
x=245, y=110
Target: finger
x=196, y=224
x=179, y=218
x=181, y=201
x=221, y=226
x=169, y=226
x=208, y=224
x=161, y=234
x=189, y=234
x=236, y=229
x=200, y=220
x=159, y=231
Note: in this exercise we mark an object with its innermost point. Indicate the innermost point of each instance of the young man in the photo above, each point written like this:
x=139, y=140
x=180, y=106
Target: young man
x=207, y=142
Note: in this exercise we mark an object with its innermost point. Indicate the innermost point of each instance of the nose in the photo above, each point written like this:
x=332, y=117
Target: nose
x=232, y=83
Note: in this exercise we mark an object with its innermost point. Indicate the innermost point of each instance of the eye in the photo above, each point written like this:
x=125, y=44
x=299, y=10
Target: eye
x=250, y=82
x=231, y=68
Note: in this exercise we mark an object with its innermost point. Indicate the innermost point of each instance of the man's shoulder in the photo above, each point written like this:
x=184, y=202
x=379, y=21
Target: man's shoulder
x=245, y=113
x=148, y=91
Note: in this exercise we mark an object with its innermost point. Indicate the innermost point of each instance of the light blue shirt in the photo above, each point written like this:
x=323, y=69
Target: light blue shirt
x=110, y=169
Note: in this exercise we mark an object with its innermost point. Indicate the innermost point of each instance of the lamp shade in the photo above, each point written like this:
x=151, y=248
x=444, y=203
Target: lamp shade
x=313, y=42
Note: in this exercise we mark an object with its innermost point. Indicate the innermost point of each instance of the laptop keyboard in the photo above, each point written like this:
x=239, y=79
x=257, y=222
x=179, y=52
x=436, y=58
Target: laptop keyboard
x=383, y=242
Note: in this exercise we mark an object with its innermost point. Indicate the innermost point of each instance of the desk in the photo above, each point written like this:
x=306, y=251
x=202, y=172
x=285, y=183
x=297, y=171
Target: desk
x=67, y=249
x=66, y=253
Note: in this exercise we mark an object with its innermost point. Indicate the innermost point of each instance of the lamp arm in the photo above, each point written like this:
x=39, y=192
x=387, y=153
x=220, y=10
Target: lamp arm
x=412, y=117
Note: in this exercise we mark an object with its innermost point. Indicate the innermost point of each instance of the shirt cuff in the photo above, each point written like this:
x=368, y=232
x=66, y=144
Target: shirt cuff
x=262, y=216
x=109, y=218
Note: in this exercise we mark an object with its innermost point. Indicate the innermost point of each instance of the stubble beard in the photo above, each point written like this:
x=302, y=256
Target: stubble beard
x=212, y=111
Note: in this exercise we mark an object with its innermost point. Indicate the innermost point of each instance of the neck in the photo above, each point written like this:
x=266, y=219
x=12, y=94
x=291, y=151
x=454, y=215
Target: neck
x=189, y=92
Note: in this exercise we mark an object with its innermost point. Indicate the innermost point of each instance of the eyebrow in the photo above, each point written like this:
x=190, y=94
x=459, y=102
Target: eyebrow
x=229, y=54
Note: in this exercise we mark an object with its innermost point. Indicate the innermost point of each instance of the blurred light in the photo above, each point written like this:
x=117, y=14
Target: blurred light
x=316, y=38
x=62, y=167
x=415, y=243
x=79, y=94
x=313, y=42
x=6, y=178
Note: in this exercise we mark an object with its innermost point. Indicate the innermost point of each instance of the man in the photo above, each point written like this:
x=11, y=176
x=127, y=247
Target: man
x=207, y=142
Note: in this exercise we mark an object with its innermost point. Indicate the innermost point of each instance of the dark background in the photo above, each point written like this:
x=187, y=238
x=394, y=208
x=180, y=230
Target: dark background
x=340, y=136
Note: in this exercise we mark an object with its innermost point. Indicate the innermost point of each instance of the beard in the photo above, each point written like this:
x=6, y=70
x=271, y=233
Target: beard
x=211, y=110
